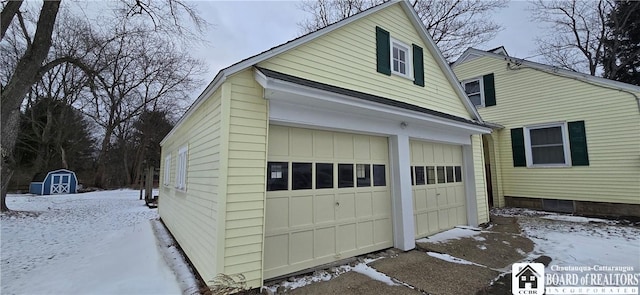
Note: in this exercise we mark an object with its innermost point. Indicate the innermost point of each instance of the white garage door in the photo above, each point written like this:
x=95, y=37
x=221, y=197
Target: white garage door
x=328, y=198
x=438, y=188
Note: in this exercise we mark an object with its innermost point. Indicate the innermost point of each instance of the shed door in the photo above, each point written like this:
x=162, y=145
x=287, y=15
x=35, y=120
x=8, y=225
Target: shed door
x=60, y=183
x=328, y=198
x=439, y=201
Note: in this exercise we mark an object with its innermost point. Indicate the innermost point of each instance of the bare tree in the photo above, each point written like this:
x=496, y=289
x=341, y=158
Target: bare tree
x=454, y=25
x=577, y=30
x=166, y=16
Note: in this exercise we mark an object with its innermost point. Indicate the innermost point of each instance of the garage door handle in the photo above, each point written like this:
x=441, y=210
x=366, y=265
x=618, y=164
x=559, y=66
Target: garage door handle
x=337, y=203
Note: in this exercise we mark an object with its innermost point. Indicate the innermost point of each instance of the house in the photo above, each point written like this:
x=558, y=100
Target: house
x=569, y=142
x=345, y=141
x=61, y=181
x=527, y=278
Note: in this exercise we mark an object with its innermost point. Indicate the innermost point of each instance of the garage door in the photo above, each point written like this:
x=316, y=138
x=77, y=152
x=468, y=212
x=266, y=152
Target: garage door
x=328, y=198
x=438, y=188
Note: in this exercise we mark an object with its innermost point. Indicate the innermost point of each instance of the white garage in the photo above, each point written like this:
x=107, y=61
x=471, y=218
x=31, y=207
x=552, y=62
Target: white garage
x=438, y=187
x=328, y=198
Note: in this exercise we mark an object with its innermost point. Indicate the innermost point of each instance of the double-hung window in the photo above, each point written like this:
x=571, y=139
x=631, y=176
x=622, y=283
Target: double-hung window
x=167, y=170
x=547, y=145
x=400, y=59
x=181, y=168
x=473, y=88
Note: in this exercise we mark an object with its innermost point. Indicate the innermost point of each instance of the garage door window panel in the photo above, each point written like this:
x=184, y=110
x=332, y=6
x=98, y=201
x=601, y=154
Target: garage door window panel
x=440, y=174
x=363, y=175
x=277, y=176
x=420, y=177
x=450, y=174
x=379, y=175
x=324, y=175
x=458, y=172
x=431, y=175
x=301, y=176
x=345, y=175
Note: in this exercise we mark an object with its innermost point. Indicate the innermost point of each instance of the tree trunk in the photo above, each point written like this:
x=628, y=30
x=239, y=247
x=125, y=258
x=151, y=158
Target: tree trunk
x=63, y=157
x=23, y=77
x=102, y=165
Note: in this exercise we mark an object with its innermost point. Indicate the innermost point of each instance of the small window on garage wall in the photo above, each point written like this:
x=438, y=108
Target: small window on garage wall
x=431, y=174
x=324, y=175
x=458, y=172
x=379, y=175
x=420, y=175
x=440, y=174
x=301, y=176
x=450, y=174
x=345, y=175
x=363, y=175
x=277, y=176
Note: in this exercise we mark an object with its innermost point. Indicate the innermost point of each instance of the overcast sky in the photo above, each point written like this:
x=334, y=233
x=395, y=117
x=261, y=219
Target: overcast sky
x=240, y=29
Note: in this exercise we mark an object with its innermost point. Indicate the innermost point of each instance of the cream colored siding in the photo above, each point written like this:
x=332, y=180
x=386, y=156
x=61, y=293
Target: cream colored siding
x=612, y=122
x=191, y=215
x=245, y=187
x=480, y=178
x=346, y=58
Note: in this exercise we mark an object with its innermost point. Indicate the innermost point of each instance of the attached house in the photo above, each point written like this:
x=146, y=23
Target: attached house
x=345, y=141
x=569, y=142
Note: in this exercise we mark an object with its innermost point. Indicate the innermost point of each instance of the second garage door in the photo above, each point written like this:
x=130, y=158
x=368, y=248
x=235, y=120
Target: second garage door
x=328, y=198
x=438, y=188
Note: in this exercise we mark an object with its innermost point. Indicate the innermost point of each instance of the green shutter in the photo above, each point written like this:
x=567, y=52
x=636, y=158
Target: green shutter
x=578, y=144
x=517, y=147
x=489, y=90
x=383, y=51
x=418, y=66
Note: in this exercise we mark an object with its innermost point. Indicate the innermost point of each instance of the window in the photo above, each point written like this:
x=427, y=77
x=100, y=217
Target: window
x=400, y=59
x=379, y=175
x=181, y=169
x=450, y=174
x=547, y=145
x=420, y=175
x=167, y=170
x=473, y=88
x=363, y=174
x=277, y=176
x=431, y=174
x=345, y=175
x=458, y=173
x=440, y=174
x=301, y=176
x=324, y=175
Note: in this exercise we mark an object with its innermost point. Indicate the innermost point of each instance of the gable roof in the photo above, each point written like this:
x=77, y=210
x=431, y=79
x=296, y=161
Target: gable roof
x=527, y=268
x=472, y=53
x=253, y=60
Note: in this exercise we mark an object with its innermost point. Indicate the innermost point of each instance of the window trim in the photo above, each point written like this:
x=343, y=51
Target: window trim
x=167, y=170
x=565, y=145
x=481, y=83
x=181, y=168
x=409, y=58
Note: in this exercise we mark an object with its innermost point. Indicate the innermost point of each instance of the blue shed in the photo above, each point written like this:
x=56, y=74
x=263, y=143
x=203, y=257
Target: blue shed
x=61, y=181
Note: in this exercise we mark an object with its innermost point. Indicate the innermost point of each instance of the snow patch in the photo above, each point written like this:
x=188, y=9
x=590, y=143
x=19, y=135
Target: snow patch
x=173, y=257
x=374, y=274
x=482, y=247
x=449, y=258
x=571, y=218
x=452, y=234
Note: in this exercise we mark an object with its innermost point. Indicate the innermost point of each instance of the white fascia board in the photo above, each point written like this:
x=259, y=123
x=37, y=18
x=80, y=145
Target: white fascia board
x=274, y=90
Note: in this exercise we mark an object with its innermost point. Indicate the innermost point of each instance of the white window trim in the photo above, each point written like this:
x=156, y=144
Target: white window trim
x=565, y=145
x=181, y=168
x=481, y=83
x=167, y=170
x=409, y=62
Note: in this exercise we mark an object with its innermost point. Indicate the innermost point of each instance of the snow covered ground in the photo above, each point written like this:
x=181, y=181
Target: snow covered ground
x=92, y=243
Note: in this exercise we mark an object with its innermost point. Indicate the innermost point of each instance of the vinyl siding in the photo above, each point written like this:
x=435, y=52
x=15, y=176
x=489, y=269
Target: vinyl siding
x=346, y=58
x=245, y=186
x=612, y=122
x=191, y=215
x=481, y=188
